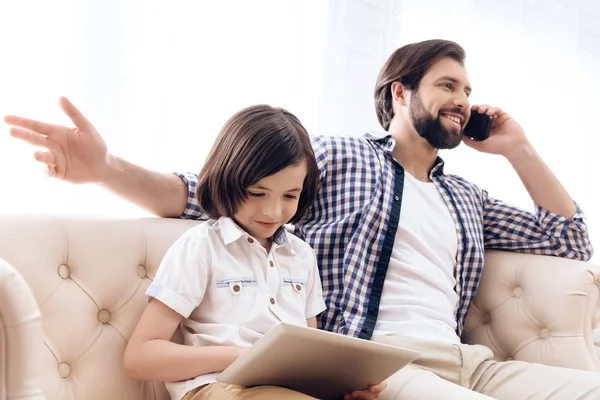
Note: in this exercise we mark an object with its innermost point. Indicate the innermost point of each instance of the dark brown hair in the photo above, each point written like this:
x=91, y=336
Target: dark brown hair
x=256, y=142
x=407, y=65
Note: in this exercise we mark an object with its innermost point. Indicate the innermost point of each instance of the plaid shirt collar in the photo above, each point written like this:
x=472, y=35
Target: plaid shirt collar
x=387, y=143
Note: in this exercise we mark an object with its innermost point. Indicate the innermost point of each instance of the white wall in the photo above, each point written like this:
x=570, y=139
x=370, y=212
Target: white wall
x=538, y=60
x=159, y=79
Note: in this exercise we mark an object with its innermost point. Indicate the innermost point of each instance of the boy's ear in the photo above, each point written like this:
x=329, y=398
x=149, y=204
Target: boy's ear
x=399, y=93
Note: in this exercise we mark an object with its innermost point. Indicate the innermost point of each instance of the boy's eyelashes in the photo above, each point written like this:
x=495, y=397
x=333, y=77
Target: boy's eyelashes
x=287, y=196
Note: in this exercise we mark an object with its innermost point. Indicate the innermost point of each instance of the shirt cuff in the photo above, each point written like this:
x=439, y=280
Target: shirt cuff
x=556, y=225
x=192, y=208
x=171, y=299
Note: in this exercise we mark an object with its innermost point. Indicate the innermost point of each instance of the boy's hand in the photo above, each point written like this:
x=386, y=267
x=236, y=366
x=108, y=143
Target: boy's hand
x=371, y=393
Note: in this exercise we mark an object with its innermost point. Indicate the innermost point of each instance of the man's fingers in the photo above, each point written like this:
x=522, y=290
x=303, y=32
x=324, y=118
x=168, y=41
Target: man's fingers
x=33, y=138
x=493, y=111
x=33, y=125
x=45, y=156
x=51, y=170
x=76, y=116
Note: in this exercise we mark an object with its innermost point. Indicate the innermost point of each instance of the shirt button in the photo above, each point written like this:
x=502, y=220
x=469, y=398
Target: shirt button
x=298, y=287
x=271, y=263
x=398, y=170
x=396, y=198
x=371, y=309
x=366, y=330
x=250, y=240
x=236, y=288
x=272, y=300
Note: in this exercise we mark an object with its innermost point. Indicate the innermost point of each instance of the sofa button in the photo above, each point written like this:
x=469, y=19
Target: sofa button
x=64, y=271
x=103, y=316
x=141, y=271
x=545, y=333
x=64, y=370
x=518, y=292
x=486, y=318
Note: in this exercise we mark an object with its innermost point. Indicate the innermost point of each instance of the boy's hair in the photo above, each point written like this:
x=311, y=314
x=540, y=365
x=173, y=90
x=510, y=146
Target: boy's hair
x=407, y=65
x=256, y=142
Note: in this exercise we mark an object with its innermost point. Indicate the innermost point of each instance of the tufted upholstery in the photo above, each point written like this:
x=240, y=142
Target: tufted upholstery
x=88, y=279
x=537, y=308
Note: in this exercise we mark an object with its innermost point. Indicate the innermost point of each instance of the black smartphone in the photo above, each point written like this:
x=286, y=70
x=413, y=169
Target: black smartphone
x=478, y=127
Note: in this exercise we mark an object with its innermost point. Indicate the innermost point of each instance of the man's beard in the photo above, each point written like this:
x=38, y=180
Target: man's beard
x=430, y=128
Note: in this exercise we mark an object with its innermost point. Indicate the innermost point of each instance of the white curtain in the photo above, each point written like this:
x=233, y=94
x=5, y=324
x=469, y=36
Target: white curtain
x=160, y=78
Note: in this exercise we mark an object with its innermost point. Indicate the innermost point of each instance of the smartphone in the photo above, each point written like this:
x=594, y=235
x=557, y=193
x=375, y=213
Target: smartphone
x=478, y=127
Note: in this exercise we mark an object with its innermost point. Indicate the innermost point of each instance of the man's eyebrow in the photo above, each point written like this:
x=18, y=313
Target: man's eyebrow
x=454, y=80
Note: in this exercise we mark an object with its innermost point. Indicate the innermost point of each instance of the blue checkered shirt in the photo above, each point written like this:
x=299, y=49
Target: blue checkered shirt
x=353, y=222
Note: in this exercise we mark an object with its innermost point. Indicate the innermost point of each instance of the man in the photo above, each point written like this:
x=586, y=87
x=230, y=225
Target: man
x=400, y=243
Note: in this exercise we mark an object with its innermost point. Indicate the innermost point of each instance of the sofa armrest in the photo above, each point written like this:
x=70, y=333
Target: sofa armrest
x=537, y=309
x=21, y=338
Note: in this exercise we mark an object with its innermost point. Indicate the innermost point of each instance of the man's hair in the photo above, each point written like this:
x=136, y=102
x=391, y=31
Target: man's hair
x=256, y=142
x=407, y=65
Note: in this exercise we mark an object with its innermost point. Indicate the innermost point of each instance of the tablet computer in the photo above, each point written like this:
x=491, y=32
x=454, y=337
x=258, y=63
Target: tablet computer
x=321, y=364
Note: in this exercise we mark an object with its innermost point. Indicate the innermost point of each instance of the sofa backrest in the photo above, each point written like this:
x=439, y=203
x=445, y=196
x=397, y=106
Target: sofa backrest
x=89, y=278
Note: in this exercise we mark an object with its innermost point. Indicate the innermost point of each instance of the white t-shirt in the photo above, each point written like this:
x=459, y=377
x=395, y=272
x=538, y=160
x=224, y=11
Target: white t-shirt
x=418, y=298
x=231, y=292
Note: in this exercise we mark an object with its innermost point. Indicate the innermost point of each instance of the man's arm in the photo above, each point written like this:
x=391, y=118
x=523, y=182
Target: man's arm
x=163, y=194
x=558, y=228
x=543, y=186
x=79, y=155
x=507, y=138
x=506, y=227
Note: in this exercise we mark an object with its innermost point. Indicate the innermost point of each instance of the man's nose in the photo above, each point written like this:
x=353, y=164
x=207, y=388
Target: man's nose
x=462, y=100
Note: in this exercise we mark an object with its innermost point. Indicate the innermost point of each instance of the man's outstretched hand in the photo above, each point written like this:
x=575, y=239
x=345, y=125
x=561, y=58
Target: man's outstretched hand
x=77, y=155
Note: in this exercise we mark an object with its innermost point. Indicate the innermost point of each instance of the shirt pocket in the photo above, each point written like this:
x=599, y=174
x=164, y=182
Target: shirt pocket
x=298, y=285
x=236, y=286
x=235, y=300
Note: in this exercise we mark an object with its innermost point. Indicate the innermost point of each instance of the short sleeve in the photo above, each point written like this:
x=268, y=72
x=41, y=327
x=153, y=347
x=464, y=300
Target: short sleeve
x=182, y=277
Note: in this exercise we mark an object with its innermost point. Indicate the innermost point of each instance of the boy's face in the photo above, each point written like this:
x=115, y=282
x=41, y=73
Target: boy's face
x=439, y=109
x=271, y=203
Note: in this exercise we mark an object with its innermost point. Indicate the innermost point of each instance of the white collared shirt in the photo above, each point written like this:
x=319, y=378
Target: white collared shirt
x=230, y=291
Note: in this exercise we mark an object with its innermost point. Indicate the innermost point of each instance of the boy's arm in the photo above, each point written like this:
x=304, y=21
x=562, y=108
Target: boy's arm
x=150, y=355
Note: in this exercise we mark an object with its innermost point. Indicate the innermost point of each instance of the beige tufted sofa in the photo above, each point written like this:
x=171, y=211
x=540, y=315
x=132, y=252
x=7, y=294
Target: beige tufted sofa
x=84, y=280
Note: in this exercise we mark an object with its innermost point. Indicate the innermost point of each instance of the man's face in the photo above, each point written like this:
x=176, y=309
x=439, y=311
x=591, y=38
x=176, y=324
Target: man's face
x=439, y=108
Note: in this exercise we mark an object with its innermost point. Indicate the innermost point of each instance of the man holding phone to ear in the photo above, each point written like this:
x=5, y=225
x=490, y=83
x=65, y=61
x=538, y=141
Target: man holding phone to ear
x=401, y=244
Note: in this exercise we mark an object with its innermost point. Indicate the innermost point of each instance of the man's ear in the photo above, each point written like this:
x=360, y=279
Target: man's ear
x=399, y=93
